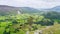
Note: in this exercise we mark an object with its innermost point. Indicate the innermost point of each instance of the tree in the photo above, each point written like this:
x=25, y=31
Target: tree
x=30, y=22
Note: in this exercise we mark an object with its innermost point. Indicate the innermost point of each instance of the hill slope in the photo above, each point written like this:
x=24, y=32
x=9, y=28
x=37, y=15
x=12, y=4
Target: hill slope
x=57, y=8
x=5, y=10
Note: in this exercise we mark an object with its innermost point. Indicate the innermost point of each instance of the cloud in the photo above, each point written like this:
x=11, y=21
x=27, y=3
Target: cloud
x=31, y=3
x=51, y=0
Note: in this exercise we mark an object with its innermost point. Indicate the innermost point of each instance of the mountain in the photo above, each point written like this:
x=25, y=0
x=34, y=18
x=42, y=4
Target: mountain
x=29, y=10
x=57, y=8
x=9, y=10
x=5, y=10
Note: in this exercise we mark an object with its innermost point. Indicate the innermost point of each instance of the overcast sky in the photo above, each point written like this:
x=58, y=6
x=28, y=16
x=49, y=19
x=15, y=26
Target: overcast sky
x=31, y=3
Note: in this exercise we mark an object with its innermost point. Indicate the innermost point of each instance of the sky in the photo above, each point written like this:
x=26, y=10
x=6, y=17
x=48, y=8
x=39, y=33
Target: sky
x=31, y=3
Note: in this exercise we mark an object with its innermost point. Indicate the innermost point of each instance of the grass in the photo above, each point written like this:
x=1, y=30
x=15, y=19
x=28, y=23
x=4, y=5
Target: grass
x=2, y=30
x=55, y=29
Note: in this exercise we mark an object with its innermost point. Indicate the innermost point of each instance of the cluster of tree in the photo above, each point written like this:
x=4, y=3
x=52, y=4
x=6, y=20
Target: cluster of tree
x=45, y=22
x=52, y=15
x=20, y=24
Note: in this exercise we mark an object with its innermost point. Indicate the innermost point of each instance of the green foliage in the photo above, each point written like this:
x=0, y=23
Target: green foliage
x=19, y=24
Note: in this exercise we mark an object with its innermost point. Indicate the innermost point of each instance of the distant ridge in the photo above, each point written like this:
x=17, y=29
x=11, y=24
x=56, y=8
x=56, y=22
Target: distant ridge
x=57, y=8
x=5, y=10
